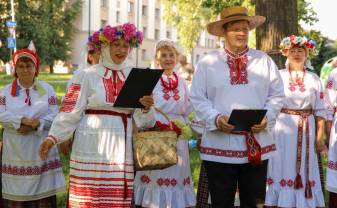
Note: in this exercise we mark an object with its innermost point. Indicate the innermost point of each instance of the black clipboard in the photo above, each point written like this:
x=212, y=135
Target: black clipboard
x=139, y=83
x=245, y=119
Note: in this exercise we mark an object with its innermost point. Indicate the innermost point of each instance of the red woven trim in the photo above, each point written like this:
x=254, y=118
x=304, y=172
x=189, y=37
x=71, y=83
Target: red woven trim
x=3, y=100
x=99, y=179
x=98, y=163
x=234, y=153
x=101, y=171
x=70, y=98
x=31, y=170
x=93, y=184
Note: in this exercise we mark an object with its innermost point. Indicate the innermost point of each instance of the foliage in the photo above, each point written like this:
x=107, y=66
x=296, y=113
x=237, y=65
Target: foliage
x=190, y=17
x=47, y=22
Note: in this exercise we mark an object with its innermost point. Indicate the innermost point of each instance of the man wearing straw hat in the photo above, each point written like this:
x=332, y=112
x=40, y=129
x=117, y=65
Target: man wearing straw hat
x=236, y=77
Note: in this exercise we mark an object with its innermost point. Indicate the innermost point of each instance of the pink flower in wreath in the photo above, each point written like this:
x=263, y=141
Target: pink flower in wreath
x=110, y=33
x=129, y=31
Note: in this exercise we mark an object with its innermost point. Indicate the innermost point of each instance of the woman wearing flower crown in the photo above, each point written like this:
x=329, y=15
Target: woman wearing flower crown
x=101, y=161
x=27, y=109
x=170, y=187
x=293, y=175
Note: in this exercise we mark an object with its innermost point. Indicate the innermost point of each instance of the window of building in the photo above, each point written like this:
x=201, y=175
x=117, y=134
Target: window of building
x=144, y=32
x=118, y=16
x=144, y=10
x=103, y=3
x=143, y=54
x=130, y=7
x=118, y=4
x=157, y=13
x=103, y=23
x=168, y=34
x=156, y=34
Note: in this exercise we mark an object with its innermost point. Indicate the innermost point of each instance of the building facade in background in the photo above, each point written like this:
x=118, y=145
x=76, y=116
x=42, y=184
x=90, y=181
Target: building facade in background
x=147, y=15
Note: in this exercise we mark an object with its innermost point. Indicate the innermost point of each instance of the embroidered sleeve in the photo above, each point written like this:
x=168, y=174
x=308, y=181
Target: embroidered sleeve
x=46, y=121
x=319, y=105
x=72, y=108
x=7, y=118
x=331, y=96
x=199, y=99
x=70, y=98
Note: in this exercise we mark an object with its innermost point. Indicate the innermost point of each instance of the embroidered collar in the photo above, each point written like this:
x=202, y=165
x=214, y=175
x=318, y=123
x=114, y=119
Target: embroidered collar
x=235, y=56
x=106, y=73
x=237, y=64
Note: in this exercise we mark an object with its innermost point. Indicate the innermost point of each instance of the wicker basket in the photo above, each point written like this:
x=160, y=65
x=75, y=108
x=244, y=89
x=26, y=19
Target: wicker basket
x=155, y=150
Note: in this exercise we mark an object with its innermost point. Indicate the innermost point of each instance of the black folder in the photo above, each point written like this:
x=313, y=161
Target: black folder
x=139, y=83
x=245, y=119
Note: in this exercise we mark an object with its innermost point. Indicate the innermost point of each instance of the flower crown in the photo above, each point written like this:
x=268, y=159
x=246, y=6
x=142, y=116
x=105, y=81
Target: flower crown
x=300, y=41
x=108, y=34
x=93, y=43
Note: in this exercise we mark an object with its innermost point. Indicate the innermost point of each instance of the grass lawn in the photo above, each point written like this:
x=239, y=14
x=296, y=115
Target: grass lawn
x=58, y=81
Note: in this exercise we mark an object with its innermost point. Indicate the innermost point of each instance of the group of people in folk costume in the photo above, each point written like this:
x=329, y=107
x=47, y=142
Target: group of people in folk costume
x=276, y=164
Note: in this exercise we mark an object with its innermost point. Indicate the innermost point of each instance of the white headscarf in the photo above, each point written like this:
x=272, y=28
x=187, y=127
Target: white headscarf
x=107, y=62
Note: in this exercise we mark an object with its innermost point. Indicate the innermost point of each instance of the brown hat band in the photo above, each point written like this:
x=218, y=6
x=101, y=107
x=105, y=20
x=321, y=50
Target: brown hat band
x=237, y=14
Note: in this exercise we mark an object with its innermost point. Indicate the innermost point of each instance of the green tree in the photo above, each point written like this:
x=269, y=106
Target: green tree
x=190, y=17
x=49, y=23
x=4, y=15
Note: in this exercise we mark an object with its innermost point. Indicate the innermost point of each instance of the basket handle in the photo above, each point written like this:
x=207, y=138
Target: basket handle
x=164, y=114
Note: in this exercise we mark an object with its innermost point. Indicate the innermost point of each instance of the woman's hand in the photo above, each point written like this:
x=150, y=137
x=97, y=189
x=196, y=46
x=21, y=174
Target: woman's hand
x=147, y=102
x=65, y=147
x=24, y=129
x=32, y=122
x=260, y=127
x=45, y=148
x=321, y=147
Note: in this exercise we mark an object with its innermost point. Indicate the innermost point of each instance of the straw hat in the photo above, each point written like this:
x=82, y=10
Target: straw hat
x=232, y=14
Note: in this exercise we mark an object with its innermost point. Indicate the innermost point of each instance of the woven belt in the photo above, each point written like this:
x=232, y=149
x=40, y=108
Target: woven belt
x=304, y=114
x=253, y=147
x=124, y=118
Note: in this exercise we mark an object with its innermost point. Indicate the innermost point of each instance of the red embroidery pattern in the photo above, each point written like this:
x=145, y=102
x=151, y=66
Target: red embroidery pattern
x=329, y=84
x=166, y=182
x=187, y=181
x=321, y=95
x=52, y=100
x=70, y=98
x=289, y=182
x=270, y=181
x=238, y=67
x=112, y=86
x=2, y=100
x=332, y=165
x=234, y=153
x=299, y=81
x=31, y=170
x=171, y=85
x=145, y=179
x=99, y=192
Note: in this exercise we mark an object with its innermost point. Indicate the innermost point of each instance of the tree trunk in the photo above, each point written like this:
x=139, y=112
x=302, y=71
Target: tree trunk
x=51, y=69
x=281, y=21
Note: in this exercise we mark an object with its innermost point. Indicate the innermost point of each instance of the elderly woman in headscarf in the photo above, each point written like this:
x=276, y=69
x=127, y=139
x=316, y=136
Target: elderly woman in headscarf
x=27, y=109
x=293, y=174
x=101, y=161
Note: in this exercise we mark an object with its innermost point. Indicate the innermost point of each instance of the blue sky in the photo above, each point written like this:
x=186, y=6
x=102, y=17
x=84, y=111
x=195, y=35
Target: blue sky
x=327, y=17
